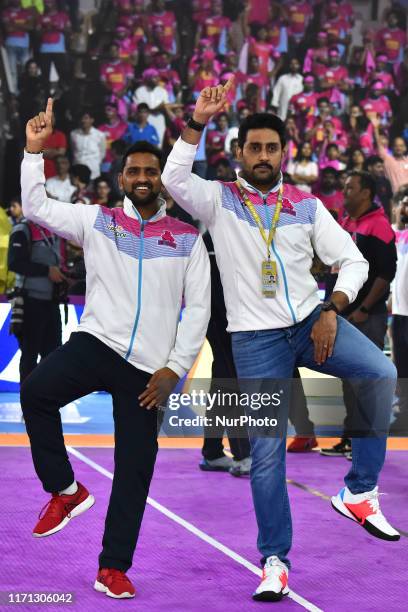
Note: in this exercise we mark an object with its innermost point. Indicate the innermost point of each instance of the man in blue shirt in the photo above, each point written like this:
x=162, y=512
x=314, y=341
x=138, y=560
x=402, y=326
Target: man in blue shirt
x=142, y=129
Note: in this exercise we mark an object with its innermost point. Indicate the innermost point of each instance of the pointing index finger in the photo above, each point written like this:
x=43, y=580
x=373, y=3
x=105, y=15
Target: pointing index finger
x=229, y=84
x=48, y=110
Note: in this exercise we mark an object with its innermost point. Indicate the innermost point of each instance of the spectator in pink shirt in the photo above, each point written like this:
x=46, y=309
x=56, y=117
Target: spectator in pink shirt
x=330, y=194
x=299, y=15
x=317, y=56
x=53, y=26
x=114, y=129
x=254, y=76
x=17, y=24
x=116, y=76
x=392, y=40
x=334, y=76
x=396, y=165
x=329, y=157
x=206, y=76
x=215, y=27
x=163, y=27
x=304, y=104
x=128, y=46
x=337, y=28
x=380, y=73
x=378, y=103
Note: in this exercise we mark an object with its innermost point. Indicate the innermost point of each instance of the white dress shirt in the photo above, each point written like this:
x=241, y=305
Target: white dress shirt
x=89, y=149
x=153, y=97
x=287, y=85
x=59, y=189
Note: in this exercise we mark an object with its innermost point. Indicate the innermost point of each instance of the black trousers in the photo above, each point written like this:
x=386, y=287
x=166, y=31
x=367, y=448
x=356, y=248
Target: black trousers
x=83, y=365
x=41, y=333
x=222, y=368
x=60, y=61
x=400, y=343
x=375, y=329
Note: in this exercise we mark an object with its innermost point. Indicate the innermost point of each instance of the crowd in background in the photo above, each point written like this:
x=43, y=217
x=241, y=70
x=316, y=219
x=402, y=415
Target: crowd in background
x=345, y=105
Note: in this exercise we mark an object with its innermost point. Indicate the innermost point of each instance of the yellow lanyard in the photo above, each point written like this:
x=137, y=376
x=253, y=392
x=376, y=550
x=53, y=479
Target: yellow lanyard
x=268, y=240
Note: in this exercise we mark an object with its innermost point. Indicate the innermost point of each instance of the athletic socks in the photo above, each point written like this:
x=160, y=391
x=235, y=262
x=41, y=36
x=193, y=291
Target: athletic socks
x=71, y=490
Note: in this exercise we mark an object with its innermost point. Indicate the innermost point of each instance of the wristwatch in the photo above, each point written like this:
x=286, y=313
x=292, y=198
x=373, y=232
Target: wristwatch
x=194, y=125
x=364, y=309
x=327, y=306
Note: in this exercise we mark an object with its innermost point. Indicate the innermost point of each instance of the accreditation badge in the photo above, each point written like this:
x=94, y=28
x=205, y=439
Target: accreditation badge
x=269, y=276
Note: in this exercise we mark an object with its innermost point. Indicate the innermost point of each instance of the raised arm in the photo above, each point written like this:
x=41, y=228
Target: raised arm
x=66, y=220
x=196, y=195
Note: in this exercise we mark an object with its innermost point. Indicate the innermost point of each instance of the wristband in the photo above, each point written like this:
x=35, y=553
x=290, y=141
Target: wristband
x=364, y=309
x=194, y=125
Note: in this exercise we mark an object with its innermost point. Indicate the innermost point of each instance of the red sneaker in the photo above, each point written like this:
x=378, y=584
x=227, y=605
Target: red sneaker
x=302, y=444
x=61, y=509
x=114, y=583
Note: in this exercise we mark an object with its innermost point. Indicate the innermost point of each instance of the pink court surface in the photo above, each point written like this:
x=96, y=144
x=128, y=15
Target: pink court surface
x=197, y=548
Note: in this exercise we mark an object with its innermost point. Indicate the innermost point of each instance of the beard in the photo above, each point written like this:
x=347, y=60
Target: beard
x=139, y=200
x=257, y=177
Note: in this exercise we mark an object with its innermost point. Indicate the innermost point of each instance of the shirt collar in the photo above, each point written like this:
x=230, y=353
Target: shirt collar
x=132, y=212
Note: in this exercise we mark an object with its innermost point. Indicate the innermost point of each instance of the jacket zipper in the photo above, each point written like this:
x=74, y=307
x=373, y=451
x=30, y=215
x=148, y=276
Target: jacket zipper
x=139, y=290
x=285, y=280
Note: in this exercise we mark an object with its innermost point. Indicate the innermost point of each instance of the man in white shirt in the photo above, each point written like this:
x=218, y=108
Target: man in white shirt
x=88, y=145
x=155, y=96
x=59, y=187
x=141, y=266
x=264, y=232
x=287, y=85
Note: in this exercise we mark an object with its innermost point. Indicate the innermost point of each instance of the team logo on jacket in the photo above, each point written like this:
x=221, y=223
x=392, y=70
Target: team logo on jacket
x=288, y=208
x=167, y=239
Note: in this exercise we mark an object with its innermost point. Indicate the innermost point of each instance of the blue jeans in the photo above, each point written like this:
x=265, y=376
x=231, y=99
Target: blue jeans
x=17, y=57
x=274, y=354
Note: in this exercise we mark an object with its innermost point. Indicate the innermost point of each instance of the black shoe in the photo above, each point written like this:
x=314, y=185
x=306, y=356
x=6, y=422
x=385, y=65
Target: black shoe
x=338, y=450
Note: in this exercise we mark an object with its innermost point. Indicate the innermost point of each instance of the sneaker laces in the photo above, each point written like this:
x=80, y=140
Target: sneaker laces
x=119, y=576
x=273, y=562
x=54, y=506
x=374, y=502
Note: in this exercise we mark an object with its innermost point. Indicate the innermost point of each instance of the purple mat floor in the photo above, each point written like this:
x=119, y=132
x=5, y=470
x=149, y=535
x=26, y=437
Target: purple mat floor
x=337, y=567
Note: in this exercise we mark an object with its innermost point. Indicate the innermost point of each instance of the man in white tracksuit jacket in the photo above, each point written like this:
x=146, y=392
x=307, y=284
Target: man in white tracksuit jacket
x=141, y=264
x=264, y=233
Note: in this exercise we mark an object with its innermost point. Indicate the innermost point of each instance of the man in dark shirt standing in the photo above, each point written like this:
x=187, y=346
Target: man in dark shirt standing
x=375, y=167
x=34, y=256
x=375, y=238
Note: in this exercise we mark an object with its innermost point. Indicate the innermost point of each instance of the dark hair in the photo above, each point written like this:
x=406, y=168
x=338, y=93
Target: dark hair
x=82, y=172
x=323, y=99
x=141, y=147
x=142, y=106
x=373, y=159
x=86, y=111
x=119, y=146
x=329, y=170
x=261, y=121
x=222, y=162
x=366, y=181
x=59, y=157
x=222, y=114
x=332, y=145
x=103, y=178
x=299, y=155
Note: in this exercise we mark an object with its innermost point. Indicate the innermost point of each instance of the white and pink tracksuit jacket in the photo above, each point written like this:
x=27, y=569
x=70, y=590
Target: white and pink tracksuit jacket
x=138, y=274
